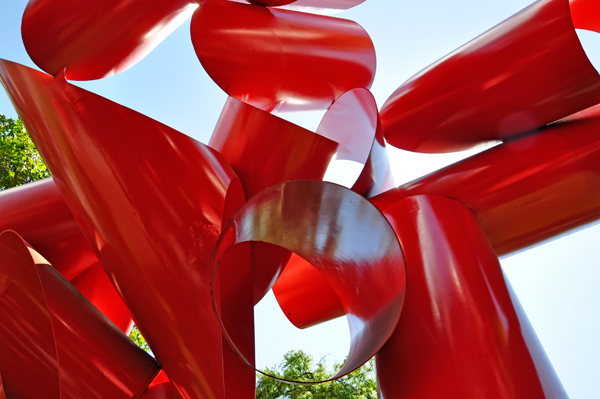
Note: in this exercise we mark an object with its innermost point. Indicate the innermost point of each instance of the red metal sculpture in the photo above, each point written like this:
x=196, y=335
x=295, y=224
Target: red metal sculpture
x=185, y=238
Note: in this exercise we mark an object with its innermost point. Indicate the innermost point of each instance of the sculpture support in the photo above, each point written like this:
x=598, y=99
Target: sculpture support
x=462, y=333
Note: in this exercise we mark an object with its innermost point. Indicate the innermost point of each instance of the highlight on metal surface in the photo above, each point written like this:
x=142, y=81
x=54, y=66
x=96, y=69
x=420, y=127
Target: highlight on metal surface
x=365, y=269
x=151, y=225
x=522, y=74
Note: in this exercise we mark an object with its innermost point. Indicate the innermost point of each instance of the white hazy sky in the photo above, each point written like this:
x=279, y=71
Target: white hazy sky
x=556, y=282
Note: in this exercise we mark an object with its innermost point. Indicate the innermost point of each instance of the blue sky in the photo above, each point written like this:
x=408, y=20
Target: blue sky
x=556, y=282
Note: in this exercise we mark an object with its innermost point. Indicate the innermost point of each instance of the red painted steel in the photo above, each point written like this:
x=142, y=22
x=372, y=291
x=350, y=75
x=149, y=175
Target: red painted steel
x=2, y=395
x=56, y=344
x=312, y=6
x=151, y=201
x=257, y=146
x=27, y=349
x=353, y=121
x=39, y=214
x=259, y=55
x=96, y=39
x=345, y=238
x=527, y=71
x=585, y=14
x=462, y=333
x=523, y=192
x=305, y=296
x=526, y=191
x=97, y=288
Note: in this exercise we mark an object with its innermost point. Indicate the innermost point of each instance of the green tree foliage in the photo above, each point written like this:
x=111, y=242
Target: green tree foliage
x=20, y=162
x=138, y=339
x=299, y=366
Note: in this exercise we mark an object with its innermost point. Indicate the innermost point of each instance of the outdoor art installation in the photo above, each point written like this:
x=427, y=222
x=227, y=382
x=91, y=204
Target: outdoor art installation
x=141, y=222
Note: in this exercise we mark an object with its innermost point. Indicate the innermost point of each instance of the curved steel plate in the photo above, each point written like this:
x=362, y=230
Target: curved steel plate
x=96, y=39
x=526, y=191
x=39, y=214
x=279, y=59
x=311, y=6
x=522, y=74
x=345, y=238
x=462, y=333
x=353, y=122
x=73, y=351
x=151, y=202
x=28, y=362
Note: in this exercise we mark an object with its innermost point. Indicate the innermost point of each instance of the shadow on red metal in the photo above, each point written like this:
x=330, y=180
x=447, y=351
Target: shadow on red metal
x=353, y=122
x=39, y=214
x=522, y=192
x=97, y=288
x=463, y=333
x=260, y=55
x=151, y=202
x=526, y=191
x=311, y=6
x=522, y=74
x=96, y=39
x=345, y=238
x=69, y=350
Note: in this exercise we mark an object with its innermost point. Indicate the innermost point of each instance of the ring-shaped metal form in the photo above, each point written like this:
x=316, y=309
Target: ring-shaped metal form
x=345, y=238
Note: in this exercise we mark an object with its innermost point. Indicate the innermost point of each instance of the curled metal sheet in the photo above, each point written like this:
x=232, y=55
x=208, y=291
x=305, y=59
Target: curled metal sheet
x=25, y=326
x=526, y=191
x=96, y=39
x=264, y=149
x=522, y=192
x=342, y=235
x=56, y=344
x=353, y=122
x=278, y=59
x=585, y=14
x=522, y=74
x=97, y=288
x=257, y=145
x=39, y=214
x=151, y=202
x=312, y=6
x=463, y=333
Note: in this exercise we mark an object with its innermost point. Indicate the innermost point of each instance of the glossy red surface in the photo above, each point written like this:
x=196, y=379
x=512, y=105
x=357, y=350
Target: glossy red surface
x=528, y=190
x=97, y=288
x=151, y=201
x=96, y=39
x=585, y=14
x=305, y=296
x=353, y=121
x=27, y=350
x=462, y=333
x=345, y=238
x=2, y=394
x=312, y=6
x=64, y=348
x=39, y=214
x=528, y=71
x=256, y=144
x=235, y=44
